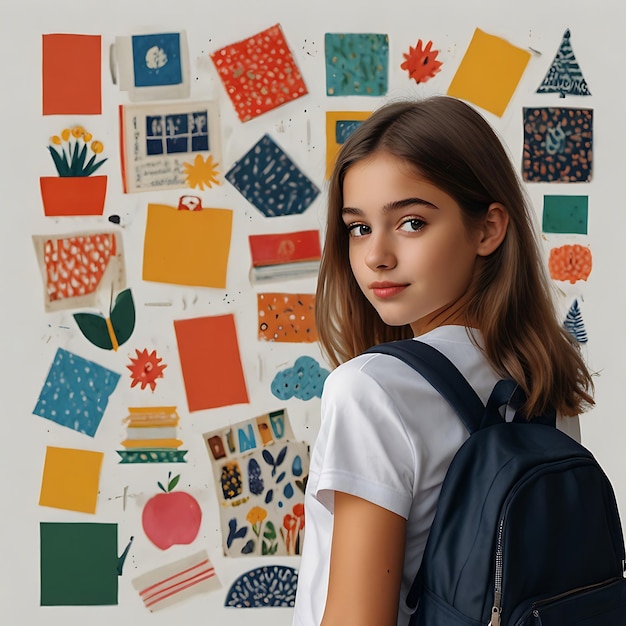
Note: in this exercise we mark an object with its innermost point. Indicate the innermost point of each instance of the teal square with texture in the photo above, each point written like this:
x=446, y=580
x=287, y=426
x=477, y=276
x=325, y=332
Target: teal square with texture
x=76, y=392
x=357, y=64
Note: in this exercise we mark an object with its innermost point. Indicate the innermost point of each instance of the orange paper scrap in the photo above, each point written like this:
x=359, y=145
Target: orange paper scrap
x=71, y=68
x=287, y=317
x=489, y=72
x=210, y=362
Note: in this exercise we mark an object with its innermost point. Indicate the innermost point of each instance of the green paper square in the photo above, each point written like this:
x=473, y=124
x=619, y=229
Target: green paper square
x=565, y=214
x=78, y=564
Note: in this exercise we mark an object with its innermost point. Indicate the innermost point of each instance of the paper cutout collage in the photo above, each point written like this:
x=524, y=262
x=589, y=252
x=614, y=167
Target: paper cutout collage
x=177, y=581
x=259, y=73
x=152, y=436
x=286, y=317
x=80, y=269
x=283, y=256
x=489, y=72
x=260, y=475
x=267, y=586
x=71, y=74
x=187, y=247
x=157, y=139
x=153, y=66
x=71, y=479
x=79, y=564
x=76, y=392
x=558, y=145
x=357, y=64
x=268, y=179
x=210, y=362
x=172, y=516
x=564, y=75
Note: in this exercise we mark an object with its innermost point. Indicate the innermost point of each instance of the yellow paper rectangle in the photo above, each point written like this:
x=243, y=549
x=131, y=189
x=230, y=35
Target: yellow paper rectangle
x=187, y=247
x=71, y=479
x=489, y=72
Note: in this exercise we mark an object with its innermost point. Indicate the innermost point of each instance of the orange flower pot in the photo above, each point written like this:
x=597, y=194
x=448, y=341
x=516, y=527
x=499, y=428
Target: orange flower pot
x=73, y=195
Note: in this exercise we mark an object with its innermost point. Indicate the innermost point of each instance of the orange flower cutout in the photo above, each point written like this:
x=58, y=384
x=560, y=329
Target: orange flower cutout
x=570, y=263
x=145, y=369
x=421, y=64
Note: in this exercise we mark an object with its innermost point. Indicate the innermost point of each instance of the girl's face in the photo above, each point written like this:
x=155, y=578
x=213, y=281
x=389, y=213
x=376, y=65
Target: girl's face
x=410, y=251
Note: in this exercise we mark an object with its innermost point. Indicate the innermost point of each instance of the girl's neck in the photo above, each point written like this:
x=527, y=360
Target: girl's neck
x=453, y=314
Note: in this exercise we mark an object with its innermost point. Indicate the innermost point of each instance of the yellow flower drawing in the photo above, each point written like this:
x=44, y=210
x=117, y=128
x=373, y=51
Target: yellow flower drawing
x=201, y=172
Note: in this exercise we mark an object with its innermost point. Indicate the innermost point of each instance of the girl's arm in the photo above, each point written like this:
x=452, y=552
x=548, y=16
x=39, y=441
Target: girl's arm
x=366, y=561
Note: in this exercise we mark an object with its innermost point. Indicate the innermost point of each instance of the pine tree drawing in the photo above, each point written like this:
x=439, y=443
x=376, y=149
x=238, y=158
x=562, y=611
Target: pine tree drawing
x=574, y=323
x=564, y=76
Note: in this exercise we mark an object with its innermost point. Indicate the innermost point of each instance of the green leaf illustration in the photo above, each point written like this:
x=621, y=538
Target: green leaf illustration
x=122, y=317
x=94, y=328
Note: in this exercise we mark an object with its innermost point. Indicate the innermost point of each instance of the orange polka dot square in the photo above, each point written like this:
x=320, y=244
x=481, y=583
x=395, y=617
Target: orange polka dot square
x=259, y=73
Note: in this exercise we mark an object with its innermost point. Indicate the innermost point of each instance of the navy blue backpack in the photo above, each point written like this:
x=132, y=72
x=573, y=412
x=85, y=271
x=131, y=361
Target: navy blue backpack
x=527, y=530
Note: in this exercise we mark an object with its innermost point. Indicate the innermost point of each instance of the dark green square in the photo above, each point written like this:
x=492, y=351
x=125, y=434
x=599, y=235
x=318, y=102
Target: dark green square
x=78, y=564
x=565, y=214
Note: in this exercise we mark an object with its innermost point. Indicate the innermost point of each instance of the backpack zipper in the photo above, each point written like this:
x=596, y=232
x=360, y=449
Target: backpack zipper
x=561, y=596
x=496, y=609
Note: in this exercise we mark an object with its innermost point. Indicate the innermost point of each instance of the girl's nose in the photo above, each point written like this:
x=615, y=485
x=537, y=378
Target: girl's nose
x=380, y=254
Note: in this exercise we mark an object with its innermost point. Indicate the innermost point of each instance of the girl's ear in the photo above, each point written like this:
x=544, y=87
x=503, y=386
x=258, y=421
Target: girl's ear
x=493, y=230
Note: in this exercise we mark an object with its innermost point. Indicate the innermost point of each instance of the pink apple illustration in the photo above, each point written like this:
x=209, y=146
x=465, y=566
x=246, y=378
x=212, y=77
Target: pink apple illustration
x=171, y=517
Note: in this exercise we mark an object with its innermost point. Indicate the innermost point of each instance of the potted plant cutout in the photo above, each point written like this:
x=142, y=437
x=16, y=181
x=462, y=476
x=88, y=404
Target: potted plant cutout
x=74, y=191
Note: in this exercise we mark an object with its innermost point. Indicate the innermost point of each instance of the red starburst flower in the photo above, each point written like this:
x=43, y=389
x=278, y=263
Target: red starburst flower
x=145, y=369
x=421, y=64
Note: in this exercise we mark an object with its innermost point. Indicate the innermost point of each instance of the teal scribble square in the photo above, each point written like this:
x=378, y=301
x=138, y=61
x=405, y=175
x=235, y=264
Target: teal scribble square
x=357, y=64
x=565, y=214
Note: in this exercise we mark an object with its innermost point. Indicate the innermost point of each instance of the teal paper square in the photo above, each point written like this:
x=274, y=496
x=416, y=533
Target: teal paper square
x=357, y=64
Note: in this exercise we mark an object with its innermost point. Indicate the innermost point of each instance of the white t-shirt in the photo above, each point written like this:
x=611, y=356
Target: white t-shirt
x=388, y=437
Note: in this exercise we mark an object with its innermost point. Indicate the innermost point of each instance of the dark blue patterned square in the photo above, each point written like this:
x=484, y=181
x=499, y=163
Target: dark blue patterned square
x=269, y=180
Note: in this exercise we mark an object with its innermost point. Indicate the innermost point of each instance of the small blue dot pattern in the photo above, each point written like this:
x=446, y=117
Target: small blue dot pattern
x=269, y=180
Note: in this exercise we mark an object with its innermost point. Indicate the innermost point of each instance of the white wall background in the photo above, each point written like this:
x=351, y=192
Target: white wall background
x=30, y=338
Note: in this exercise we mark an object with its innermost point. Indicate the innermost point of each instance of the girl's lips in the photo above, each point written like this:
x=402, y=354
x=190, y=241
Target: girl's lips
x=382, y=290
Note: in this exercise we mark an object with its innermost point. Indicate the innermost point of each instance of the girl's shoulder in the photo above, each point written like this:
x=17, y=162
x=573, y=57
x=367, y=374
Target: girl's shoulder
x=373, y=374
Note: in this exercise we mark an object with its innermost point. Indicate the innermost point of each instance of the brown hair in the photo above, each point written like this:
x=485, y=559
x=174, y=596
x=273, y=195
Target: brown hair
x=510, y=299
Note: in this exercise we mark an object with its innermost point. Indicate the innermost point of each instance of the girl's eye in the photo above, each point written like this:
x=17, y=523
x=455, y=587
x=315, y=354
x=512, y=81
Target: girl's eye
x=358, y=230
x=413, y=225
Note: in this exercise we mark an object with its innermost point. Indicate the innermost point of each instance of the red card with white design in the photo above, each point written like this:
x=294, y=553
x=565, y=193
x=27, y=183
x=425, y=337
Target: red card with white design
x=259, y=73
x=76, y=268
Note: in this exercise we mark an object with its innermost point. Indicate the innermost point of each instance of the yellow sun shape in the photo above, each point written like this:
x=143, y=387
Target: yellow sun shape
x=202, y=172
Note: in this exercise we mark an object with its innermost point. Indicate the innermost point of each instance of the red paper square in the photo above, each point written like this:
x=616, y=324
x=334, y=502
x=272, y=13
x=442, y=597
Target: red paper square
x=259, y=73
x=71, y=68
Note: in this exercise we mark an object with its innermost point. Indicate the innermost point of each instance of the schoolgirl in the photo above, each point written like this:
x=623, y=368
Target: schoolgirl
x=429, y=235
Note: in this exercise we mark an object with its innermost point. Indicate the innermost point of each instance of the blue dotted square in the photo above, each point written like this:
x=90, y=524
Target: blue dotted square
x=76, y=392
x=268, y=179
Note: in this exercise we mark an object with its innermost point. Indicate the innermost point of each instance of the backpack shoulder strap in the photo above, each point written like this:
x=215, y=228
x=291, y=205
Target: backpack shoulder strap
x=442, y=374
